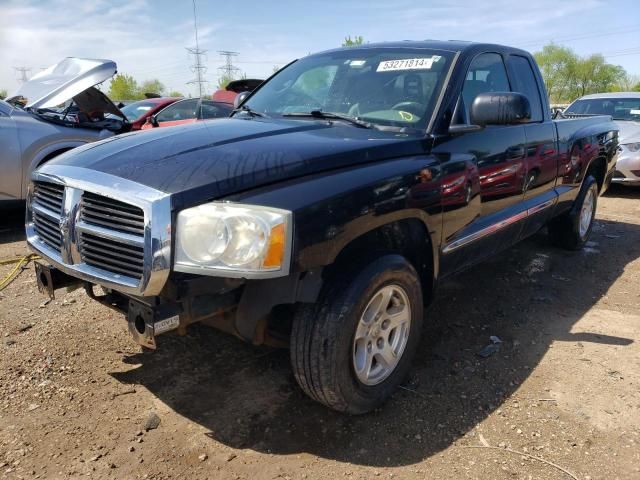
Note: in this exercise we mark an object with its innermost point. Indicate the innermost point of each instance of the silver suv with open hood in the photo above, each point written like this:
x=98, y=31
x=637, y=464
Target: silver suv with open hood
x=58, y=109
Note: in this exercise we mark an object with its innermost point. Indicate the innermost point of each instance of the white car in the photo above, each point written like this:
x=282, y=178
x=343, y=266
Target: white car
x=624, y=108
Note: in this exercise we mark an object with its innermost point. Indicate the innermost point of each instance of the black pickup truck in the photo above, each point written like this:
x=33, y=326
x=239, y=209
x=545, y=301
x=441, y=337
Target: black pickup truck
x=323, y=213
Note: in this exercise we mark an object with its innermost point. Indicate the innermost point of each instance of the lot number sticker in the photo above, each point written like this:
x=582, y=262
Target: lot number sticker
x=408, y=64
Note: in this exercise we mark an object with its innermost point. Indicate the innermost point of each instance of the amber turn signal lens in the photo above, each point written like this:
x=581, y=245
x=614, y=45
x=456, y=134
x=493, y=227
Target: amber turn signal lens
x=275, y=251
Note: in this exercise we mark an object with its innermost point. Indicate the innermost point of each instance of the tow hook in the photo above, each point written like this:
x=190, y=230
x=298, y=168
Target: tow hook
x=145, y=325
x=50, y=279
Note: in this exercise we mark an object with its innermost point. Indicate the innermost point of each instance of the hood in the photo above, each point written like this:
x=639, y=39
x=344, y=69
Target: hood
x=210, y=160
x=629, y=131
x=70, y=79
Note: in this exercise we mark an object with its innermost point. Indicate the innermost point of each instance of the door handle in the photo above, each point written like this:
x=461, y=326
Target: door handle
x=515, y=152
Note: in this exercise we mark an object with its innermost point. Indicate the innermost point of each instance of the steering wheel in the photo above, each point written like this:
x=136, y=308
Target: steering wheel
x=412, y=107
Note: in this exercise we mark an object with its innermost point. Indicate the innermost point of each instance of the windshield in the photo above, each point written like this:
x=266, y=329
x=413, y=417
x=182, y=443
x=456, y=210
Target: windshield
x=396, y=87
x=619, y=108
x=135, y=110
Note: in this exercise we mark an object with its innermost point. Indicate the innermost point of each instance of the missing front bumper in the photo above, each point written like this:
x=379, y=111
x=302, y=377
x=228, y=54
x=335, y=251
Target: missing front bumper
x=146, y=321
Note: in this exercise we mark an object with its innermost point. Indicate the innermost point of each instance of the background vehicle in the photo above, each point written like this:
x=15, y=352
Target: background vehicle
x=56, y=110
x=323, y=213
x=624, y=108
x=229, y=93
x=138, y=112
x=189, y=110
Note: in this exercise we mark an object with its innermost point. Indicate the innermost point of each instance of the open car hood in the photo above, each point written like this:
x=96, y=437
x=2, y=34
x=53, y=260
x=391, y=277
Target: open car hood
x=72, y=78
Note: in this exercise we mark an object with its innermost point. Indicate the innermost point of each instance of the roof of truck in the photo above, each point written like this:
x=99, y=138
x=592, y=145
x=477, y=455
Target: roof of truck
x=449, y=45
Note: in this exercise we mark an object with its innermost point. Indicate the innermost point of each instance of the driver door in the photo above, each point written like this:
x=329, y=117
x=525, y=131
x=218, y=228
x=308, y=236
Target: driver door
x=492, y=219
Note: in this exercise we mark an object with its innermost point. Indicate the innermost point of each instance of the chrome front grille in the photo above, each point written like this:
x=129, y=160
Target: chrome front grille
x=47, y=210
x=103, y=229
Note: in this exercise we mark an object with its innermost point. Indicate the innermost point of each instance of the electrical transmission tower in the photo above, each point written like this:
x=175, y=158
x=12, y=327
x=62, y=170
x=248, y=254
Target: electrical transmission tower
x=198, y=68
x=23, y=73
x=228, y=70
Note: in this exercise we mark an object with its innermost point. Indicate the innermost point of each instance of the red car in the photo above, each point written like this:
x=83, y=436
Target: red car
x=189, y=110
x=138, y=112
x=229, y=93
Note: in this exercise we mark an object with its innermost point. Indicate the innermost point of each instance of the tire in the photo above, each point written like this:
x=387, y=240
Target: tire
x=326, y=343
x=572, y=230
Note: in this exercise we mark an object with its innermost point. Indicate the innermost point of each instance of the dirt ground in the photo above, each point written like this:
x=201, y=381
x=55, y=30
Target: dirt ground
x=559, y=399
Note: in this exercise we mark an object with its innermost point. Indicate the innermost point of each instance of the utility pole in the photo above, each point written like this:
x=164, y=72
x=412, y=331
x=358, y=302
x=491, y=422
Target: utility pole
x=23, y=73
x=228, y=70
x=198, y=68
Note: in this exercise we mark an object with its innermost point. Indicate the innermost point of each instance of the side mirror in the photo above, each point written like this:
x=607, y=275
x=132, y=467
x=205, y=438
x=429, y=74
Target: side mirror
x=500, y=108
x=240, y=98
x=152, y=120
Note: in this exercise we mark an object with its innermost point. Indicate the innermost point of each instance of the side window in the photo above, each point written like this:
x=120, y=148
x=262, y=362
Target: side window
x=525, y=82
x=486, y=74
x=183, y=110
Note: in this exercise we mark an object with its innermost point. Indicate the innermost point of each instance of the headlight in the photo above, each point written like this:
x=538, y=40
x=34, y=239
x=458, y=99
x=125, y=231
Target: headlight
x=632, y=147
x=233, y=240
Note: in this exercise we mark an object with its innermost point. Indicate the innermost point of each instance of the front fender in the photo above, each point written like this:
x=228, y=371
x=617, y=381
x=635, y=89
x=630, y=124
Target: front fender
x=333, y=209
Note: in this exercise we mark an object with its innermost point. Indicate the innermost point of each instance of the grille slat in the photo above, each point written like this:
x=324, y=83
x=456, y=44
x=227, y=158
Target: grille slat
x=98, y=207
x=47, y=232
x=113, y=214
x=114, y=223
x=46, y=202
x=112, y=254
x=118, y=248
x=112, y=268
x=48, y=227
x=48, y=196
x=108, y=259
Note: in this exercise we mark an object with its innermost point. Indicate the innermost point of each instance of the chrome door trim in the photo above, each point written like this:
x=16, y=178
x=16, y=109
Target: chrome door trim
x=495, y=227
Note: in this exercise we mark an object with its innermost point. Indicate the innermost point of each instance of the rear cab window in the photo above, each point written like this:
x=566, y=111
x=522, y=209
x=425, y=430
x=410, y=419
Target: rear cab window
x=524, y=82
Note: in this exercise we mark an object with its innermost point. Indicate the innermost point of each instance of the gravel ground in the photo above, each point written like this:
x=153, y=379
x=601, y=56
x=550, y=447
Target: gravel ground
x=559, y=398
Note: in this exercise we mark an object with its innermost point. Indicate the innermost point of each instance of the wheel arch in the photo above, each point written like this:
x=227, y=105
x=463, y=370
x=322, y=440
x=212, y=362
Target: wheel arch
x=407, y=235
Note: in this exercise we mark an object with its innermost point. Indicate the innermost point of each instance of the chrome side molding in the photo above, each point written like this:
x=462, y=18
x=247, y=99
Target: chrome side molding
x=493, y=228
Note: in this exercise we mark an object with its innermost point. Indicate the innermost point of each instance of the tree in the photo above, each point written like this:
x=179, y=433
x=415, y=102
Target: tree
x=593, y=75
x=349, y=42
x=557, y=65
x=568, y=76
x=3, y=94
x=636, y=87
x=123, y=87
x=151, y=86
x=225, y=79
x=175, y=93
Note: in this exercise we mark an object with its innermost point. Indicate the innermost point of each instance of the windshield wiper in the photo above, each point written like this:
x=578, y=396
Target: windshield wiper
x=330, y=116
x=246, y=109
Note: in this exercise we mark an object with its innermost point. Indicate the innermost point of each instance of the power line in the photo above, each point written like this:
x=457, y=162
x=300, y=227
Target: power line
x=228, y=70
x=568, y=38
x=198, y=68
x=23, y=73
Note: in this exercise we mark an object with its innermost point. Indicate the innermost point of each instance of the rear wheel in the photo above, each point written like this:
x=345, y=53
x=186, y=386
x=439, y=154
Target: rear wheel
x=573, y=229
x=353, y=347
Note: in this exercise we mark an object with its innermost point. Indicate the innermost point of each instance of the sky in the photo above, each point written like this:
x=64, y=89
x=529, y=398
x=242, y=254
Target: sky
x=148, y=38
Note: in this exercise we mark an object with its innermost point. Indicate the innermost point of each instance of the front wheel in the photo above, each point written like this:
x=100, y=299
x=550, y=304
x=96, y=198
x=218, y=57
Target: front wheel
x=352, y=348
x=573, y=229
